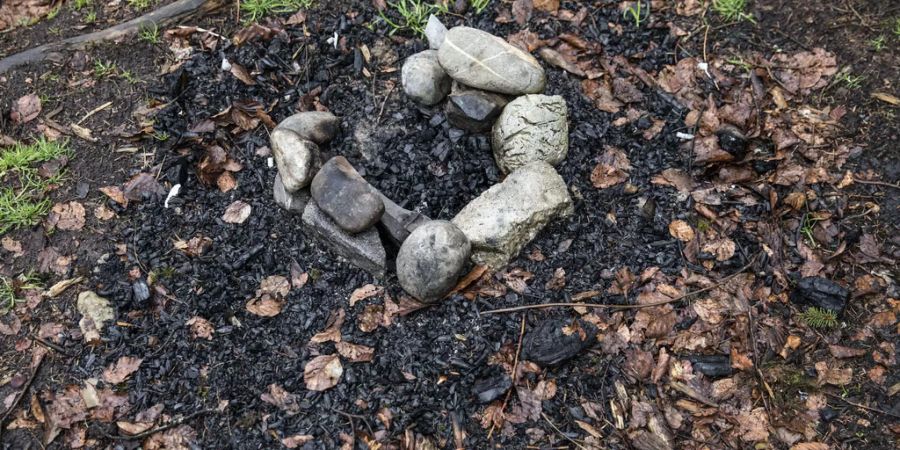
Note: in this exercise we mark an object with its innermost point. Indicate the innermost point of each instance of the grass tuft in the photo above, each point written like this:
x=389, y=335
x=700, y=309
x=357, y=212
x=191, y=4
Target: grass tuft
x=257, y=9
x=149, y=33
x=11, y=290
x=479, y=5
x=140, y=4
x=413, y=16
x=22, y=201
x=636, y=13
x=819, y=318
x=732, y=10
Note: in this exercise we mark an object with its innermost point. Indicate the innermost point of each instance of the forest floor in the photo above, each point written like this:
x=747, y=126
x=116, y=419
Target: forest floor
x=694, y=260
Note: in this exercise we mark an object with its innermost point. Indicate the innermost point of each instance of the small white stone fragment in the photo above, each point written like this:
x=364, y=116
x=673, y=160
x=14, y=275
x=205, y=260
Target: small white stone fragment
x=172, y=194
x=226, y=65
x=684, y=136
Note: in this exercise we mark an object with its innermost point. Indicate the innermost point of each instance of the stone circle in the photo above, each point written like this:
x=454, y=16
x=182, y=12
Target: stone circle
x=492, y=85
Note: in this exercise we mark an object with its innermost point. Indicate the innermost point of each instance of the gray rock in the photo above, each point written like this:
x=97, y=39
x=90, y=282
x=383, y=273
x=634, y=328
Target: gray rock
x=431, y=260
x=298, y=159
x=294, y=202
x=363, y=250
x=345, y=196
x=508, y=215
x=531, y=128
x=319, y=127
x=399, y=222
x=473, y=109
x=423, y=78
x=484, y=61
x=435, y=31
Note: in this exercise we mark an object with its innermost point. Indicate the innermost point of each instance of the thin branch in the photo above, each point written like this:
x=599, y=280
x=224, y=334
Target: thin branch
x=165, y=427
x=877, y=183
x=619, y=306
x=21, y=394
x=861, y=406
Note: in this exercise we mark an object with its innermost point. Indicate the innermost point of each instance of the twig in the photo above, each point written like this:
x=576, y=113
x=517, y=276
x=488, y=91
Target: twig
x=860, y=406
x=514, y=370
x=18, y=399
x=645, y=305
x=354, y=416
x=94, y=111
x=561, y=433
x=877, y=183
x=51, y=346
x=165, y=427
x=386, y=97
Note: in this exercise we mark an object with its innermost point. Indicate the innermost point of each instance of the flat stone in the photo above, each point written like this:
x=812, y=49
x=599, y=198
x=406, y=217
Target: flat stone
x=531, y=128
x=472, y=109
x=508, y=215
x=317, y=126
x=431, y=260
x=95, y=312
x=399, y=222
x=297, y=159
x=294, y=202
x=363, y=250
x=557, y=340
x=423, y=78
x=435, y=32
x=484, y=61
x=346, y=197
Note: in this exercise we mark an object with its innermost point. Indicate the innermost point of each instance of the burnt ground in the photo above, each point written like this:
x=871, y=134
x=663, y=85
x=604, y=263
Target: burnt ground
x=427, y=362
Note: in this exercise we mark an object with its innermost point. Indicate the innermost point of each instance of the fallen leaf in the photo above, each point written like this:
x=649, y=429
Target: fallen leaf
x=364, y=292
x=355, y=352
x=119, y=371
x=103, y=213
x=67, y=216
x=370, y=318
x=681, y=230
x=116, y=194
x=833, y=375
x=196, y=246
x=200, y=328
x=142, y=186
x=296, y=440
x=546, y=5
x=332, y=332
x=13, y=246
x=723, y=249
x=25, y=109
x=236, y=212
x=322, y=372
x=132, y=428
x=282, y=399
x=810, y=446
x=887, y=98
x=242, y=74
x=558, y=281
x=612, y=169
x=839, y=351
x=182, y=437
x=265, y=307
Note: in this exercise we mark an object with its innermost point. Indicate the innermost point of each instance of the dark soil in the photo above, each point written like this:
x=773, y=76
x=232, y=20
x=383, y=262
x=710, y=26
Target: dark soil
x=426, y=363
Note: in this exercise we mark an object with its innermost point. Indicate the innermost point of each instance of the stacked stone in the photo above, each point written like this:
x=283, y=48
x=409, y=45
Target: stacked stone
x=490, y=85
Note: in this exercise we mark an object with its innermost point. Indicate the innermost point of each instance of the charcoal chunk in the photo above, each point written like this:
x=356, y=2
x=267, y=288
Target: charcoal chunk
x=491, y=387
x=557, y=340
x=713, y=366
x=821, y=293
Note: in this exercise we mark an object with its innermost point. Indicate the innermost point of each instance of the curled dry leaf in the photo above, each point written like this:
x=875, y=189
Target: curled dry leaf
x=200, y=328
x=833, y=375
x=195, y=246
x=612, y=169
x=296, y=440
x=365, y=292
x=241, y=73
x=267, y=306
x=333, y=331
x=237, y=212
x=322, y=372
x=355, y=352
x=119, y=371
x=681, y=230
x=282, y=399
x=116, y=194
x=723, y=249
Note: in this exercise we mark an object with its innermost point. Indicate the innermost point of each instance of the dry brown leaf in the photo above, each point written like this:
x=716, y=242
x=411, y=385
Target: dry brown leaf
x=681, y=230
x=13, y=246
x=810, y=446
x=550, y=6
x=142, y=185
x=723, y=249
x=322, y=372
x=236, y=212
x=132, y=428
x=355, y=352
x=182, y=437
x=103, y=213
x=370, y=318
x=887, y=98
x=839, y=351
x=200, y=328
x=226, y=182
x=265, y=306
x=116, y=194
x=740, y=360
x=67, y=216
x=545, y=389
x=612, y=169
x=833, y=375
x=282, y=399
x=241, y=73
x=196, y=246
x=332, y=332
x=365, y=292
x=25, y=109
x=296, y=440
x=119, y=371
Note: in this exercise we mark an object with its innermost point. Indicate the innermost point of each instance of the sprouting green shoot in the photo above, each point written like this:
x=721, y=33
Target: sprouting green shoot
x=819, y=318
x=413, y=16
x=479, y=5
x=149, y=33
x=732, y=10
x=11, y=289
x=878, y=44
x=257, y=9
x=636, y=13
